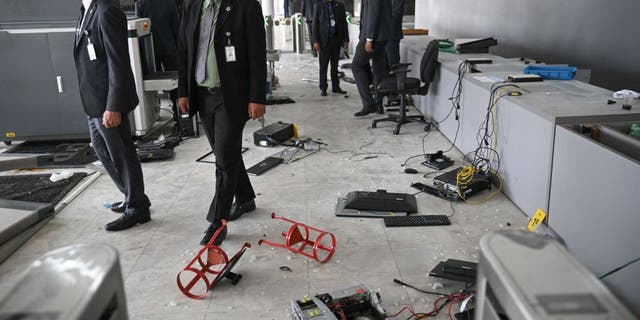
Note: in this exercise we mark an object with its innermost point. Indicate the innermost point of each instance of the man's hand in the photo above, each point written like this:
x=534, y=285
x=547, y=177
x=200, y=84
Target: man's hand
x=256, y=110
x=346, y=44
x=183, y=103
x=316, y=46
x=368, y=47
x=111, y=119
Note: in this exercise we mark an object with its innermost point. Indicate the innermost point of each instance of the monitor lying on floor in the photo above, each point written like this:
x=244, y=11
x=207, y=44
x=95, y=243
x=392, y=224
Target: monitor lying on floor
x=381, y=200
x=341, y=211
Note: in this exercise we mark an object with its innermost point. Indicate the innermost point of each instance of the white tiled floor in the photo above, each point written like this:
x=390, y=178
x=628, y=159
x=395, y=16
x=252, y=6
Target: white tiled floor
x=367, y=252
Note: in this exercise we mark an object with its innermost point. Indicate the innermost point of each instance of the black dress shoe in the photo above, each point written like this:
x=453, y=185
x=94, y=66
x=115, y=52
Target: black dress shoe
x=127, y=221
x=118, y=207
x=380, y=109
x=323, y=93
x=340, y=91
x=209, y=233
x=365, y=111
x=239, y=210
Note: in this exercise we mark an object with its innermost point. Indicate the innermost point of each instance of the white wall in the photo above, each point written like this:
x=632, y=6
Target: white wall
x=592, y=34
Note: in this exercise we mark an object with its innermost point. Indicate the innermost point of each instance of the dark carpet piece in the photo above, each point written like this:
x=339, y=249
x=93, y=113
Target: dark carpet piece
x=63, y=154
x=37, y=187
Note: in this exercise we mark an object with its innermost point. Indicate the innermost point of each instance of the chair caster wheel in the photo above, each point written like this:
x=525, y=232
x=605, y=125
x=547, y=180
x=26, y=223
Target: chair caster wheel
x=427, y=127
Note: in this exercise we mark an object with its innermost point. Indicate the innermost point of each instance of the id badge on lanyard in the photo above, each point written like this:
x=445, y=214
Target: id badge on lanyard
x=229, y=50
x=90, y=49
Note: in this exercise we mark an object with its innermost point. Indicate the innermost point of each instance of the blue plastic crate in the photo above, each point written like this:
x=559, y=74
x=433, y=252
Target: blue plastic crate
x=552, y=72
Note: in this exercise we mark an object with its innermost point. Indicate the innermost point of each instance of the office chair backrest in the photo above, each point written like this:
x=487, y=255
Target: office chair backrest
x=428, y=66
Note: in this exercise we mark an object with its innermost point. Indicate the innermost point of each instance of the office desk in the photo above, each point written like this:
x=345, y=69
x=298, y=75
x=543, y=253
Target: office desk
x=543, y=164
x=525, y=124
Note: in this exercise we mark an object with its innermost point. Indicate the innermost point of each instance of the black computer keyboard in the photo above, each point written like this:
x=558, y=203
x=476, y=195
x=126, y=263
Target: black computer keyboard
x=409, y=221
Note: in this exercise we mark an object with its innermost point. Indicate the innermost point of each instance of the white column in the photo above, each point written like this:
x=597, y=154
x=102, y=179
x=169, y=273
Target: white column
x=267, y=11
x=278, y=10
x=267, y=7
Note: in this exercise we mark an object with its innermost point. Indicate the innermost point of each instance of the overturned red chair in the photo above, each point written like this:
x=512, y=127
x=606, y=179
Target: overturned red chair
x=297, y=240
x=210, y=266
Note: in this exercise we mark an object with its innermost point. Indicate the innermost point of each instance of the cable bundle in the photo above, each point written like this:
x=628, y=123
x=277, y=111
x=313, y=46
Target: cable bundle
x=456, y=95
x=485, y=158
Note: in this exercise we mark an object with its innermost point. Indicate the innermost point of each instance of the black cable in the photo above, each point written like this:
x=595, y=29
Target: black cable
x=456, y=95
x=429, y=174
x=418, y=289
x=412, y=157
x=453, y=143
x=424, y=152
x=620, y=268
x=482, y=155
x=469, y=285
x=453, y=210
x=170, y=111
x=419, y=315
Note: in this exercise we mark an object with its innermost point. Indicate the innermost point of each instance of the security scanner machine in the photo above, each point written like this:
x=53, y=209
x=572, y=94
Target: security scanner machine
x=72, y=283
x=149, y=83
x=39, y=91
x=39, y=97
x=522, y=275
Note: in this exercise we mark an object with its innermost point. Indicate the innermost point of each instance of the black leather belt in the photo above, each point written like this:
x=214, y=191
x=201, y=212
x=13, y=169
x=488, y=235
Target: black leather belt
x=211, y=91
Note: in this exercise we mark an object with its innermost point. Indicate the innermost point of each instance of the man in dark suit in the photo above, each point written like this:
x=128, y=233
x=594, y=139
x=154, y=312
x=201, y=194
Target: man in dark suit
x=222, y=74
x=330, y=33
x=375, y=19
x=108, y=94
x=164, y=26
x=393, y=45
x=308, y=6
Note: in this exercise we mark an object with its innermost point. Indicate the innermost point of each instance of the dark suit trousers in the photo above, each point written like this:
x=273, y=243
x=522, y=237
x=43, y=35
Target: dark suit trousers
x=115, y=149
x=225, y=137
x=310, y=31
x=362, y=70
x=331, y=52
x=393, y=52
x=166, y=62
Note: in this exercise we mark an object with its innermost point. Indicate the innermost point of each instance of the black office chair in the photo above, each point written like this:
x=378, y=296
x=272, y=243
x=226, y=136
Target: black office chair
x=401, y=85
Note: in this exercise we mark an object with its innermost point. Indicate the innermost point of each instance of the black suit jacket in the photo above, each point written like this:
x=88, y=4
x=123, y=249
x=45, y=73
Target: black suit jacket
x=322, y=23
x=106, y=83
x=397, y=12
x=164, y=23
x=242, y=81
x=375, y=20
x=308, y=8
